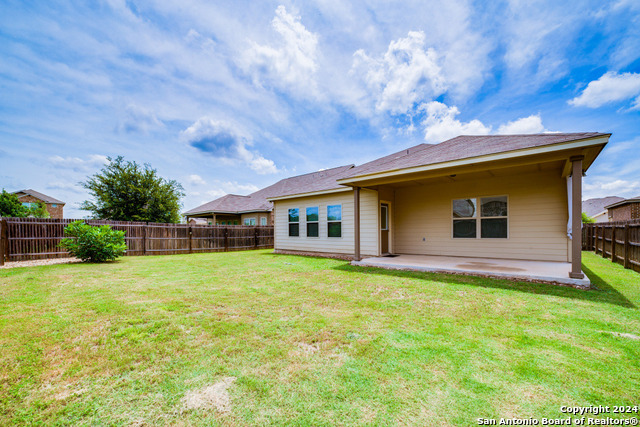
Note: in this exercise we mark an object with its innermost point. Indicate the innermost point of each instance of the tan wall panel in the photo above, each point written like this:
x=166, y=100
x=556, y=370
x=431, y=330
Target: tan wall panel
x=537, y=218
x=323, y=243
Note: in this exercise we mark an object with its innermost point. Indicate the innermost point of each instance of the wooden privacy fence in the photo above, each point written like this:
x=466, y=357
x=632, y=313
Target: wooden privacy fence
x=618, y=241
x=37, y=238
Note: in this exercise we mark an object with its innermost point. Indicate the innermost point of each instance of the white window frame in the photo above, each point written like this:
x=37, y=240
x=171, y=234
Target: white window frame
x=263, y=221
x=307, y=222
x=289, y=222
x=331, y=222
x=247, y=221
x=478, y=218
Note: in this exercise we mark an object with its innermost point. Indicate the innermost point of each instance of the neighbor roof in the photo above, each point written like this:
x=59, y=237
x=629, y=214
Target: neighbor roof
x=595, y=206
x=38, y=195
x=464, y=147
x=624, y=202
x=311, y=182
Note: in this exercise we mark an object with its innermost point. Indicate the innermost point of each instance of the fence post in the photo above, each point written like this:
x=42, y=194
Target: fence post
x=613, y=243
x=144, y=239
x=226, y=239
x=190, y=246
x=255, y=237
x=626, y=246
x=1, y=241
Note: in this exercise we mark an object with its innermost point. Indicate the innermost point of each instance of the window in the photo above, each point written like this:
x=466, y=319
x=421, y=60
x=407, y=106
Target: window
x=384, y=217
x=492, y=218
x=334, y=221
x=54, y=205
x=29, y=205
x=294, y=222
x=249, y=221
x=312, y=222
x=263, y=221
x=235, y=222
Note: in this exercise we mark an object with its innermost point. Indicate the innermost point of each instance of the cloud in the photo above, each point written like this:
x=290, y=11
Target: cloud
x=78, y=164
x=290, y=65
x=223, y=140
x=611, y=87
x=66, y=186
x=139, y=119
x=440, y=123
x=405, y=75
x=609, y=187
x=531, y=124
x=196, y=180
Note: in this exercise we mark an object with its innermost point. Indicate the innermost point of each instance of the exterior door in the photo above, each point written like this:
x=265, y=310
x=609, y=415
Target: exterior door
x=384, y=228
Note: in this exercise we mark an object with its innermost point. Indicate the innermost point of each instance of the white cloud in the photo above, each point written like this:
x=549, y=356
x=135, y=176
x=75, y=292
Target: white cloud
x=64, y=185
x=608, y=187
x=408, y=73
x=610, y=87
x=226, y=141
x=290, y=65
x=139, y=119
x=196, y=180
x=525, y=125
x=78, y=164
x=440, y=123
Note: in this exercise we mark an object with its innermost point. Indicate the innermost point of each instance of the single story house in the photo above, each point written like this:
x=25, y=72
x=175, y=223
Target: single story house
x=596, y=208
x=30, y=197
x=507, y=197
x=624, y=210
x=255, y=208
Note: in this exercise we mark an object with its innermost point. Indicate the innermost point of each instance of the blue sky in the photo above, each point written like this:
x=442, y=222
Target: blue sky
x=228, y=97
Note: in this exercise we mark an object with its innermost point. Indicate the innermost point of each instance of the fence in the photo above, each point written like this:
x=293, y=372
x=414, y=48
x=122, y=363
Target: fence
x=37, y=238
x=618, y=241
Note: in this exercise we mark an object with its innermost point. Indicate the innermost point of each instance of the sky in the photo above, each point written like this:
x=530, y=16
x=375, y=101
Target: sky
x=232, y=96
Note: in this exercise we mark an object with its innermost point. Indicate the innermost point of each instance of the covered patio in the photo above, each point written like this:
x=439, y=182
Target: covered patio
x=535, y=271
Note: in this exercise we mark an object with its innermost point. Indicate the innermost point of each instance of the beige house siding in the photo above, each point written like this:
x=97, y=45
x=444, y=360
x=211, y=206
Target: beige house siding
x=323, y=243
x=537, y=209
x=257, y=216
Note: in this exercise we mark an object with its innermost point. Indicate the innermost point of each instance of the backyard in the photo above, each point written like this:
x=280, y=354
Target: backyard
x=253, y=338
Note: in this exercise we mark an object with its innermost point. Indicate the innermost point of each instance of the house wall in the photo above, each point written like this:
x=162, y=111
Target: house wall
x=537, y=218
x=257, y=216
x=625, y=212
x=324, y=244
x=55, y=213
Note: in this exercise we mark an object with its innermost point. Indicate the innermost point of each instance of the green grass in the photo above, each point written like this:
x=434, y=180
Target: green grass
x=311, y=342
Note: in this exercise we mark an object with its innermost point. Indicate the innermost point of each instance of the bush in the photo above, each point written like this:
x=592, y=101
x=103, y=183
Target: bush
x=93, y=244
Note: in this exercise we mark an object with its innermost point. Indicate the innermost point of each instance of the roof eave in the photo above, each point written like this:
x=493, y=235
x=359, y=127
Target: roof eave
x=600, y=140
x=312, y=193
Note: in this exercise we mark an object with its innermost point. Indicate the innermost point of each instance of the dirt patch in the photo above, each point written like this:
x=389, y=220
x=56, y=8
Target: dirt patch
x=36, y=262
x=623, y=335
x=213, y=396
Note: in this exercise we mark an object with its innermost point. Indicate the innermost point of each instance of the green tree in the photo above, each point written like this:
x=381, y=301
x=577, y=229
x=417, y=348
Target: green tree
x=93, y=244
x=10, y=205
x=586, y=219
x=126, y=191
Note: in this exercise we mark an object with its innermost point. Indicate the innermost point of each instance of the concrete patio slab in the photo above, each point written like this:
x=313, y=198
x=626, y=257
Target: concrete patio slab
x=533, y=271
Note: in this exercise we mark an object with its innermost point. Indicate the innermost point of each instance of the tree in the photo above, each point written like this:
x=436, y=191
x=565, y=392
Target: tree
x=10, y=206
x=586, y=219
x=93, y=244
x=126, y=191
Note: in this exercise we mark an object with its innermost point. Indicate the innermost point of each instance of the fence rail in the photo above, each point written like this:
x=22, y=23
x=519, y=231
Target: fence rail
x=36, y=238
x=619, y=241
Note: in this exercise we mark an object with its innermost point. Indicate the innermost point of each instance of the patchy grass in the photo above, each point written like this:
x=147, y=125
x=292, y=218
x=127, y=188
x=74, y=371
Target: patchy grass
x=252, y=338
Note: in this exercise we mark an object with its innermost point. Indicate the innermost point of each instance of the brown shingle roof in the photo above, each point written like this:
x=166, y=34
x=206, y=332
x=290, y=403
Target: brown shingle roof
x=463, y=147
x=307, y=183
x=38, y=195
x=595, y=206
x=624, y=202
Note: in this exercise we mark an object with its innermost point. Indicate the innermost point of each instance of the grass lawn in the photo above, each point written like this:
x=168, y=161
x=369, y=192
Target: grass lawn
x=307, y=341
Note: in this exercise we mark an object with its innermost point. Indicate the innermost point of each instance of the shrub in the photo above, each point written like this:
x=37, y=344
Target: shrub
x=93, y=244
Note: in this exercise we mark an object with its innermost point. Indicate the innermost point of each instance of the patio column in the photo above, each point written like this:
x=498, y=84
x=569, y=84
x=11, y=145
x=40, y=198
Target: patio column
x=356, y=223
x=576, y=217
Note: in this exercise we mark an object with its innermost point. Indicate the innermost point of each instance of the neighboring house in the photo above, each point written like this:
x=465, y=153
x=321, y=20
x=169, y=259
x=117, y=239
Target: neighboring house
x=499, y=196
x=624, y=210
x=595, y=208
x=32, y=197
